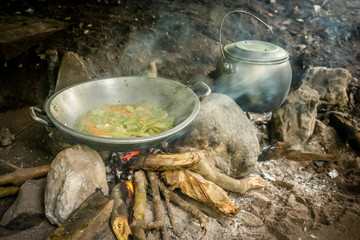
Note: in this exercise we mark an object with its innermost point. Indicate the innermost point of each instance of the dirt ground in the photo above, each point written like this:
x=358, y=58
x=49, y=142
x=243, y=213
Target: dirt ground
x=121, y=38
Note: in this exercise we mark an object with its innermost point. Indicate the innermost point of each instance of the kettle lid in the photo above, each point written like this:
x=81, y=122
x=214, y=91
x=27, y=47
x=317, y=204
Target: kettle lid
x=256, y=51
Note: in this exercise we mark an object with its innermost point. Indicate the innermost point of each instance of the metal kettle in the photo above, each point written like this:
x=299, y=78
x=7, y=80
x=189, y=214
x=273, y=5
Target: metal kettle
x=256, y=74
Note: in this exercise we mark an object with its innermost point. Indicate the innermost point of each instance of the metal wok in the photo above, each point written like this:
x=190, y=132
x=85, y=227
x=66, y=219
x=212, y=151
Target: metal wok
x=64, y=107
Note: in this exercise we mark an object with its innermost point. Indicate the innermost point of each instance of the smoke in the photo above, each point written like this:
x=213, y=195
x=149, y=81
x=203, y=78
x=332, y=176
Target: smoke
x=182, y=48
x=255, y=87
x=176, y=39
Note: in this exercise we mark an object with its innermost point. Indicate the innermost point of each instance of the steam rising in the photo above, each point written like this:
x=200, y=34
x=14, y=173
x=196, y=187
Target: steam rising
x=181, y=49
x=255, y=87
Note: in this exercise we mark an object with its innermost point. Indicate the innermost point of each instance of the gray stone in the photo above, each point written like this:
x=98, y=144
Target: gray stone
x=6, y=137
x=40, y=231
x=72, y=70
x=331, y=84
x=28, y=207
x=222, y=129
x=325, y=139
x=74, y=175
x=294, y=122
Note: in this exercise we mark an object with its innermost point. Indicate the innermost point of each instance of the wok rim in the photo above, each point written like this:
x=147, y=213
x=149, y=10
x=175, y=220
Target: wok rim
x=124, y=141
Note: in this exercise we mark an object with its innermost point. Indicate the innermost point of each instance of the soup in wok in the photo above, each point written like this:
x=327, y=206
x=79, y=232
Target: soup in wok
x=125, y=121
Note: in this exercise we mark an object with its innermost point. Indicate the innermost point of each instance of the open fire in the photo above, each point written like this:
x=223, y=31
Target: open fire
x=127, y=156
x=308, y=149
x=187, y=171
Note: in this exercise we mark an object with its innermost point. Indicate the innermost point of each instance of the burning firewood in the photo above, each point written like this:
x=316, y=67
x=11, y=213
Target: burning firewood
x=196, y=187
x=159, y=222
x=139, y=207
x=20, y=175
x=195, y=161
x=120, y=213
x=87, y=221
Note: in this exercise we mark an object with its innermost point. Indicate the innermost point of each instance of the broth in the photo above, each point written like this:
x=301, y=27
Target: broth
x=124, y=121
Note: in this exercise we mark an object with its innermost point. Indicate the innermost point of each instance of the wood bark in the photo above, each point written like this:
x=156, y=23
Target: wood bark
x=21, y=175
x=87, y=221
x=195, y=186
x=139, y=207
x=176, y=161
x=195, y=161
x=120, y=212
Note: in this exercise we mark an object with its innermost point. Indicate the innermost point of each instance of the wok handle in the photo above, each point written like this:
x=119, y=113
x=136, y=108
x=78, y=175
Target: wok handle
x=33, y=111
x=201, y=89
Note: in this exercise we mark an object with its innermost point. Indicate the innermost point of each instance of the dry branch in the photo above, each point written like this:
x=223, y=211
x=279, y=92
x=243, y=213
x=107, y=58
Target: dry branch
x=138, y=224
x=8, y=191
x=283, y=150
x=185, y=205
x=195, y=161
x=170, y=213
x=21, y=175
x=203, y=208
x=87, y=221
x=154, y=225
x=158, y=207
x=120, y=213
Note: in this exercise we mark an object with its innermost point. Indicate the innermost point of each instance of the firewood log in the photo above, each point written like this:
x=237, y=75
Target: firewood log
x=8, y=191
x=139, y=207
x=195, y=161
x=87, y=221
x=158, y=207
x=196, y=213
x=170, y=213
x=120, y=213
x=20, y=175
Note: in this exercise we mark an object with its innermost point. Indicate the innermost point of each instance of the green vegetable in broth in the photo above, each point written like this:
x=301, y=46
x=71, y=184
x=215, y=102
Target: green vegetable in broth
x=125, y=121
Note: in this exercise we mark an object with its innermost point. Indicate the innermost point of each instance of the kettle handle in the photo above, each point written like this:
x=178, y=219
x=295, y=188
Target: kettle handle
x=244, y=12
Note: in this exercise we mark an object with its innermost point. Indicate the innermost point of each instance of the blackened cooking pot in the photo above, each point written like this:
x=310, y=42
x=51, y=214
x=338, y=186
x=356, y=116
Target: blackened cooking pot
x=64, y=107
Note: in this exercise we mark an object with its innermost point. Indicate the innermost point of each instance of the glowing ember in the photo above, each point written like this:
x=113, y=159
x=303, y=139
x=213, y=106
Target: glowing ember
x=128, y=156
x=130, y=186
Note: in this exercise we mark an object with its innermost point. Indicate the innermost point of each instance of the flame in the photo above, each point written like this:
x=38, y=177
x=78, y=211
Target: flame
x=130, y=186
x=128, y=156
